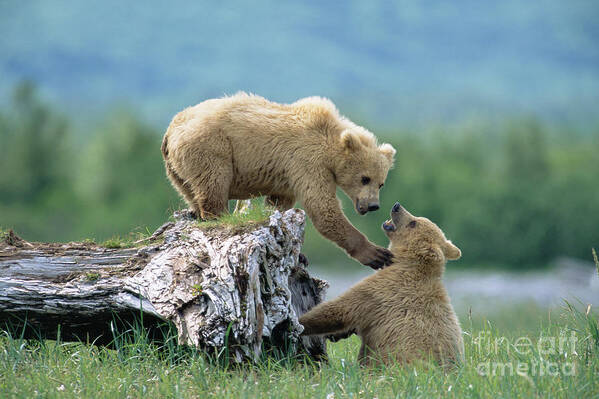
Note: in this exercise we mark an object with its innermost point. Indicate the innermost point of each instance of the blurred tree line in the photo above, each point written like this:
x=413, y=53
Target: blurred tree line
x=515, y=195
x=57, y=186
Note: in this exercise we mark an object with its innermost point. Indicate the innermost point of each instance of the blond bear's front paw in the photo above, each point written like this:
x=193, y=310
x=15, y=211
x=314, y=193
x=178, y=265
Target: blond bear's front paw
x=374, y=256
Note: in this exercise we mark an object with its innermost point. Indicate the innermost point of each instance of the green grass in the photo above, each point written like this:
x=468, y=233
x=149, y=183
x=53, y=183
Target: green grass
x=133, y=239
x=137, y=368
x=115, y=243
x=257, y=213
x=91, y=276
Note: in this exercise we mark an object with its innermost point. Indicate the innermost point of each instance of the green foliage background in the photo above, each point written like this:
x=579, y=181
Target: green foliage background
x=513, y=194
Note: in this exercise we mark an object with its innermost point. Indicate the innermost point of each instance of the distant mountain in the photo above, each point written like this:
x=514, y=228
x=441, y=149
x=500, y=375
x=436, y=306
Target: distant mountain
x=408, y=64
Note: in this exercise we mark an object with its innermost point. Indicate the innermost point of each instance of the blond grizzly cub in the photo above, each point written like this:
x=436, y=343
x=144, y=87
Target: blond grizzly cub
x=402, y=313
x=245, y=146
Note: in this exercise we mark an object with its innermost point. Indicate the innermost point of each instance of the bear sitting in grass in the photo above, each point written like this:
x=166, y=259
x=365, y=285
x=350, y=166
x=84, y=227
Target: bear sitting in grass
x=245, y=146
x=402, y=313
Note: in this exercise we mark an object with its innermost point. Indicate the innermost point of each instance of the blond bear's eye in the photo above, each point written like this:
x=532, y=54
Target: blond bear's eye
x=381, y=185
x=412, y=224
x=365, y=180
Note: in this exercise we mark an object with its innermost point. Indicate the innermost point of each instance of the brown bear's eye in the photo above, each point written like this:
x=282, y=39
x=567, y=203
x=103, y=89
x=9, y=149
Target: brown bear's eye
x=412, y=223
x=365, y=180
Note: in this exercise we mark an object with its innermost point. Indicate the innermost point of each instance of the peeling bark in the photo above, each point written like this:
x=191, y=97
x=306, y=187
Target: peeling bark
x=240, y=287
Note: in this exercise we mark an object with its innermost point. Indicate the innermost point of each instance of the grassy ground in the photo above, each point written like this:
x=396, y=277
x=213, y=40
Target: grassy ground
x=522, y=351
x=497, y=351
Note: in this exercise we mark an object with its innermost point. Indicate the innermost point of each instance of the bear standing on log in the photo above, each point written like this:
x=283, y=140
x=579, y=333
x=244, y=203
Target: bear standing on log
x=245, y=146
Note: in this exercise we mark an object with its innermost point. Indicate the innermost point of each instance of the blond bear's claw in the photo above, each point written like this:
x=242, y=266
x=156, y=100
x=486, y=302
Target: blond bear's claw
x=381, y=257
x=388, y=256
x=375, y=264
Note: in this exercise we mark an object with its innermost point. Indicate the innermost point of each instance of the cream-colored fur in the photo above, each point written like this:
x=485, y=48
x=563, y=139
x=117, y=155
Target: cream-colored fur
x=245, y=146
x=402, y=313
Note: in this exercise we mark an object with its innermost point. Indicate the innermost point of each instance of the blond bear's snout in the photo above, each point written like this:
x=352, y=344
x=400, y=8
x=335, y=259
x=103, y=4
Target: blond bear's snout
x=366, y=205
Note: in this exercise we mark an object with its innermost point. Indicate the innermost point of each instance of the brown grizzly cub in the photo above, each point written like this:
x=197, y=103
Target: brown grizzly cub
x=402, y=313
x=245, y=146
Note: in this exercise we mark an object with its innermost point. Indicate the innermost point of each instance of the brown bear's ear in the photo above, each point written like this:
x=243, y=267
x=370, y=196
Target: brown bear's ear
x=451, y=251
x=349, y=141
x=429, y=253
x=388, y=151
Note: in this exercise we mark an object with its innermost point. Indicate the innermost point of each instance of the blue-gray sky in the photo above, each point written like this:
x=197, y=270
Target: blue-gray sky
x=399, y=63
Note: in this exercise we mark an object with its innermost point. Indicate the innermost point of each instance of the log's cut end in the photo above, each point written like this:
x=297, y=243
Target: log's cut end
x=237, y=287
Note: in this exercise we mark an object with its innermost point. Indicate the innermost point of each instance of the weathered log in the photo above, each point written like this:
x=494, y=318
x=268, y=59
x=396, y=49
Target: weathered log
x=242, y=287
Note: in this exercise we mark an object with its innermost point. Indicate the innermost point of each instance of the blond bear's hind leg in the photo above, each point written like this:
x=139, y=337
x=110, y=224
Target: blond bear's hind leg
x=214, y=205
x=183, y=188
x=282, y=203
x=211, y=190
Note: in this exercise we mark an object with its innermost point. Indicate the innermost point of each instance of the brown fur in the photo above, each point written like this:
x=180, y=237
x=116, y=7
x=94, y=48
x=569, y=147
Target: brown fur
x=245, y=146
x=403, y=312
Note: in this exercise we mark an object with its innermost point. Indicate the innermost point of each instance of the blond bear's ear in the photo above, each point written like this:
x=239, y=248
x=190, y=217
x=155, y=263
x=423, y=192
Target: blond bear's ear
x=451, y=251
x=388, y=151
x=350, y=141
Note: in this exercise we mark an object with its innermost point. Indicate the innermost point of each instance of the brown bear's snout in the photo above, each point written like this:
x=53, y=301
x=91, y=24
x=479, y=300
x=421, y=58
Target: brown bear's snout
x=398, y=213
x=389, y=226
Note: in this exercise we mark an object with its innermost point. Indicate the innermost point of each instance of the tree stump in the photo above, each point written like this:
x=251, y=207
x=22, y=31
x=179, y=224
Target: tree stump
x=242, y=287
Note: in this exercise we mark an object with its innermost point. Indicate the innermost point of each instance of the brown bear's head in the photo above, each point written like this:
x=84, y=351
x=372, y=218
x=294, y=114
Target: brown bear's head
x=417, y=240
x=363, y=169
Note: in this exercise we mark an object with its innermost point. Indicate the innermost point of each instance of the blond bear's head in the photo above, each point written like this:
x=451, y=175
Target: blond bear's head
x=417, y=240
x=363, y=169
